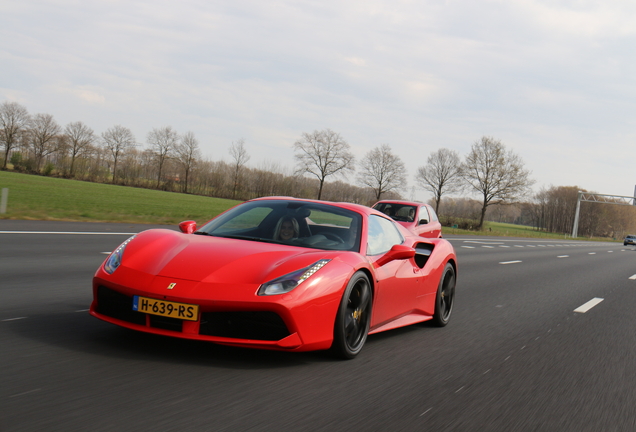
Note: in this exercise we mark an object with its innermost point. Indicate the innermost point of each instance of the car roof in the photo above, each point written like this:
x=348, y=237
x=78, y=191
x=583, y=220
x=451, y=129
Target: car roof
x=345, y=205
x=405, y=202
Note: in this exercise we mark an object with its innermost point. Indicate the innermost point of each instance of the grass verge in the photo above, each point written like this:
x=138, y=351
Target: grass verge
x=46, y=198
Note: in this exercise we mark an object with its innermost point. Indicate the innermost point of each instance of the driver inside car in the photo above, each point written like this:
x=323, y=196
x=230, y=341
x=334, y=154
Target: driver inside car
x=286, y=229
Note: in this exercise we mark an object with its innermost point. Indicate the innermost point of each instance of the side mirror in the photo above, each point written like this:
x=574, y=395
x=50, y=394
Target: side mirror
x=188, y=227
x=397, y=252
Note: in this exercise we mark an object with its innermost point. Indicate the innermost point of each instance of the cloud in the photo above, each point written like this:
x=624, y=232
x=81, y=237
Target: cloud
x=546, y=77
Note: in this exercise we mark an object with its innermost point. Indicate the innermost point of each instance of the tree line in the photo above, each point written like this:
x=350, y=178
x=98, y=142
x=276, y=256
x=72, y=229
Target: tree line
x=173, y=162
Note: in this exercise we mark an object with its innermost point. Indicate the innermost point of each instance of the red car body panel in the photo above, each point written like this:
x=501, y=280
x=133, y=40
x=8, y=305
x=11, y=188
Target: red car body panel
x=223, y=275
x=431, y=229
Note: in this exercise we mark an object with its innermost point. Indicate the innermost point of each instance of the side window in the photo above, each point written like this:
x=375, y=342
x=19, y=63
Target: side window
x=431, y=211
x=424, y=215
x=382, y=235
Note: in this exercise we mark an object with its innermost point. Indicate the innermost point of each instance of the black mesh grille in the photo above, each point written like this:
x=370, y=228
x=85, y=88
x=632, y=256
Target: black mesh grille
x=117, y=305
x=244, y=325
x=166, y=323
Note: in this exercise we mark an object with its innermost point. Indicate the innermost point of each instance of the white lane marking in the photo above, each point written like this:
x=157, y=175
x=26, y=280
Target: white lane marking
x=518, y=246
x=550, y=245
x=426, y=411
x=82, y=310
x=66, y=232
x=483, y=242
x=540, y=245
x=531, y=245
x=13, y=319
x=510, y=262
x=468, y=247
x=589, y=305
x=563, y=256
x=105, y=253
x=610, y=251
x=26, y=392
x=489, y=247
x=632, y=277
x=591, y=253
x=504, y=246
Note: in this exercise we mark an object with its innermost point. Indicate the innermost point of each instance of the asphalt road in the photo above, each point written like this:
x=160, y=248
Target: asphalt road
x=515, y=357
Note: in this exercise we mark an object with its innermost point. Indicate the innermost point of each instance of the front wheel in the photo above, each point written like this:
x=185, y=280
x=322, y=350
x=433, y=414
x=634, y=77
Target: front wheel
x=445, y=297
x=354, y=317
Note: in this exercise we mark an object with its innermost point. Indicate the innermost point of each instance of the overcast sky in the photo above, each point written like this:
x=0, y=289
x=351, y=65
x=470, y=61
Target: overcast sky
x=555, y=81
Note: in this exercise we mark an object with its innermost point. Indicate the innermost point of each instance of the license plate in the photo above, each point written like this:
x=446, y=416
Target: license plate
x=170, y=309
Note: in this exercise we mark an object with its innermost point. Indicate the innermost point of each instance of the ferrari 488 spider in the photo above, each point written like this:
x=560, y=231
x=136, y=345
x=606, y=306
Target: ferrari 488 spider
x=278, y=273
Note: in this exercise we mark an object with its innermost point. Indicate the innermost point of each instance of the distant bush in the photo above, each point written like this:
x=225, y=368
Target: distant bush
x=48, y=169
x=460, y=223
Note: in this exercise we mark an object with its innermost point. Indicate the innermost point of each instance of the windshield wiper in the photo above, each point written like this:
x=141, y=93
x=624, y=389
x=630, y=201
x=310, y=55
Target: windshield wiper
x=238, y=237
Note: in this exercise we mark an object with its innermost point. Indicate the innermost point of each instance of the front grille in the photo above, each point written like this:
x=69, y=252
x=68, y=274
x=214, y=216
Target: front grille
x=267, y=326
x=118, y=305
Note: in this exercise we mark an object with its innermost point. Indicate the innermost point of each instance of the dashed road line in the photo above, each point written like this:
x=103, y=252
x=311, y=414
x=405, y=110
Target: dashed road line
x=563, y=256
x=633, y=277
x=510, y=262
x=589, y=305
x=14, y=319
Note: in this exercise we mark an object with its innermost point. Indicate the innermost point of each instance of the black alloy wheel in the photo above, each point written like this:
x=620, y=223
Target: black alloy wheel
x=354, y=316
x=445, y=296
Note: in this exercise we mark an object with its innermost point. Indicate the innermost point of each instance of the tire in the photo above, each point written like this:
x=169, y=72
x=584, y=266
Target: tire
x=445, y=297
x=354, y=317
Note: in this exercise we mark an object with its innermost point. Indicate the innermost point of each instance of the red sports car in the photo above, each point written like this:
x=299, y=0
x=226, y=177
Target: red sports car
x=278, y=273
x=417, y=217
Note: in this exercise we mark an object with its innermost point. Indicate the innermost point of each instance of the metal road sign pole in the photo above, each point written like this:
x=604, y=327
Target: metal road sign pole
x=575, y=228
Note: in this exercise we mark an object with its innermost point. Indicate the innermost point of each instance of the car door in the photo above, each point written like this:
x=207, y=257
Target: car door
x=395, y=282
x=432, y=228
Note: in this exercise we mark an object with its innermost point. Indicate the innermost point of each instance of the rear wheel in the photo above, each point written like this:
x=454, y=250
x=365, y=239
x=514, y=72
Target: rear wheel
x=445, y=297
x=353, y=319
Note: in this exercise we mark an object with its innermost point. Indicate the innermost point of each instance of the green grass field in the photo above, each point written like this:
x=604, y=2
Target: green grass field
x=46, y=198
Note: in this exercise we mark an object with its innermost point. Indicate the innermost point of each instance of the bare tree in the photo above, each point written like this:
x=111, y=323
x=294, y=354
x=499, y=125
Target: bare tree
x=14, y=119
x=117, y=141
x=44, y=137
x=498, y=175
x=382, y=171
x=441, y=174
x=79, y=137
x=187, y=154
x=322, y=154
x=240, y=158
x=163, y=142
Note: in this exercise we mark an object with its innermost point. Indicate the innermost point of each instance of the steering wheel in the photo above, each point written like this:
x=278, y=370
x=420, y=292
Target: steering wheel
x=334, y=237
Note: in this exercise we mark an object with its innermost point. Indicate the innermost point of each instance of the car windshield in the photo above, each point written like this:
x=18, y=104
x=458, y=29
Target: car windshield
x=298, y=223
x=398, y=212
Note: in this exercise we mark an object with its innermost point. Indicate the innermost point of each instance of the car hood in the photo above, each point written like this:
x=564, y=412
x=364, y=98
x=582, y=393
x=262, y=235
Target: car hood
x=209, y=259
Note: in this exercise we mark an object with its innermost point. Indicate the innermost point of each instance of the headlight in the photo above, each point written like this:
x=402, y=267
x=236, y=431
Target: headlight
x=114, y=260
x=285, y=284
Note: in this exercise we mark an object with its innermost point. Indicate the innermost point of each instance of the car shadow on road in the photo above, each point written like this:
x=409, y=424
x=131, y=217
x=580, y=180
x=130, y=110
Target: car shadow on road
x=78, y=331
